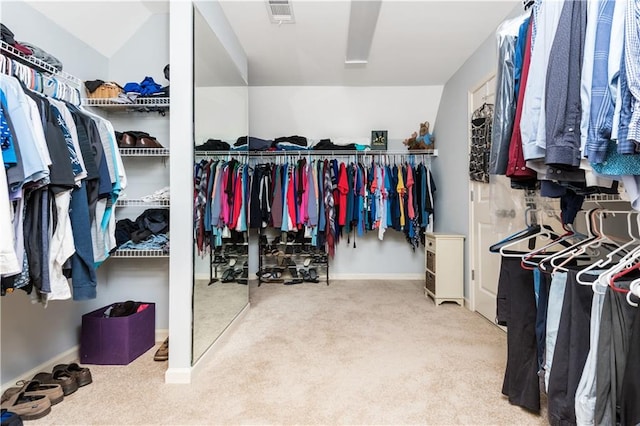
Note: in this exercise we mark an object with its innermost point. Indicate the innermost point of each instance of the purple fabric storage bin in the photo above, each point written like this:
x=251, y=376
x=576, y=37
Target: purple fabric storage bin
x=117, y=340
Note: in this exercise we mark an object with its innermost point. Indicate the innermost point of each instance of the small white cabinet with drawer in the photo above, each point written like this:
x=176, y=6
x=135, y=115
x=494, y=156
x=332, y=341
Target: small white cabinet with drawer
x=444, y=261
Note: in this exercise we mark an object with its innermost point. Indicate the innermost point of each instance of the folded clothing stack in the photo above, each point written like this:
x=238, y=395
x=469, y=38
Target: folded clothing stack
x=150, y=222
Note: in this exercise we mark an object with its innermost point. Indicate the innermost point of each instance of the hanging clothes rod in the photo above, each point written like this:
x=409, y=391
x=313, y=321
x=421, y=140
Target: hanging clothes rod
x=38, y=64
x=320, y=153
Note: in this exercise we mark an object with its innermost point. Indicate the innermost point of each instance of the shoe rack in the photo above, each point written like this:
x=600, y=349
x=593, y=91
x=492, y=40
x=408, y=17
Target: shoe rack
x=149, y=115
x=229, y=263
x=288, y=258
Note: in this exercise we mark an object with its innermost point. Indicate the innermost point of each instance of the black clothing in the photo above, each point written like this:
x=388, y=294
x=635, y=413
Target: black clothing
x=572, y=348
x=327, y=145
x=517, y=310
x=296, y=140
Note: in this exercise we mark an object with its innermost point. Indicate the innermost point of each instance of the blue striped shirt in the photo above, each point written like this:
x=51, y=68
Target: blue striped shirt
x=632, y=64
x=602, y=106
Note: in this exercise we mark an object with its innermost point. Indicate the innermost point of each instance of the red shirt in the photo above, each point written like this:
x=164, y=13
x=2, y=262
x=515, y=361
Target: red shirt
x=343, y=189
x=517, y=166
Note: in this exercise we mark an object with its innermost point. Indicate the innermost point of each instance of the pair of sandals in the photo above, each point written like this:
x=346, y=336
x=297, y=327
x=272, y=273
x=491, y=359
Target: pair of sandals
x=271, y=275
x=320, y=258
x=309, y=275
x=241, y=276
x=299, y=276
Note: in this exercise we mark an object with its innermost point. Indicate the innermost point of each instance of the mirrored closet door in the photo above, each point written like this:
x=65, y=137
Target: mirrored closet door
x=221, y=178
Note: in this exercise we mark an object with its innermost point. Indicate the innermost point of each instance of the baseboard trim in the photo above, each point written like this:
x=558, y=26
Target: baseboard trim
x=221, y=340
x=376, y=277
x=66, y=357
x=348, y=276
x=178, y=376
x=161, y=334
x=467, y=304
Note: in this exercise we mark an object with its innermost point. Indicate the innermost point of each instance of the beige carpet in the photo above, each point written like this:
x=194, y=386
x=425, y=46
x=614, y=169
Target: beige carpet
x=351, y=353
x=214, y=307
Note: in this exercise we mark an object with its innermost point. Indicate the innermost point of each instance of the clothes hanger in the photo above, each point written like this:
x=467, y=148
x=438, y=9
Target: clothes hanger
x=634, y=290
x=530, y=265
x=620, y=274
x=601, y=263
x=545, y=232
x=531, y=229
x=545, y=264
x=581, y=250
x=628, y=261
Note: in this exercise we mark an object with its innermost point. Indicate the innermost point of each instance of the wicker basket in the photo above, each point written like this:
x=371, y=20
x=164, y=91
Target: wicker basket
x=106, y=90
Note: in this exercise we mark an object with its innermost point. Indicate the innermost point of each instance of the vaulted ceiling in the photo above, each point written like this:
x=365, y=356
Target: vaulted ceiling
x=418, y=42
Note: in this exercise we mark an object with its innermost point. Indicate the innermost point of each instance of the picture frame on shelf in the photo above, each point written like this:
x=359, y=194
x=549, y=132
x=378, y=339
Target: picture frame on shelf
x=379, y=140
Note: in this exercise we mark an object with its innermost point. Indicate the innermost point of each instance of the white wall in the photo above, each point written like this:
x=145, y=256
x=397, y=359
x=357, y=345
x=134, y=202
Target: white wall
x=221, y=113
x=31, y=334
x=452, y=141
x=78, y=58
x=144, y=54
x=332, y=112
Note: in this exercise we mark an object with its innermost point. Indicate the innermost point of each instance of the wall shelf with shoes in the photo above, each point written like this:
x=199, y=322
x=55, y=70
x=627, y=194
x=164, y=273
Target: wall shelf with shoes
x=141, y=234
x=132, y=253
x=144, y=152
x=142, y=203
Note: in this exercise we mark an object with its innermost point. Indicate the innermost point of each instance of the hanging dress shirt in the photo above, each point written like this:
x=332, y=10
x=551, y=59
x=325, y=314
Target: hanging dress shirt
x=563, y=105
x=632, y=53
x=8, y=260
x=586, y=76
x=602, y=107
x=533, y=126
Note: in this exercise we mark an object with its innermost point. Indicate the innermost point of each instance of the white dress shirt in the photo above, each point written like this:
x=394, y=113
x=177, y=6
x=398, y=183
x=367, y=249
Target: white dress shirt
x=532, y=126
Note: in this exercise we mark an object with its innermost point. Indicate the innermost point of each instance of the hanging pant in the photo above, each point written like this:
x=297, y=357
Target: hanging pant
x=572, y=348
x=586, y=392
x=630, y=409
x=554, y=310
x=615, y=332
x=517, y=309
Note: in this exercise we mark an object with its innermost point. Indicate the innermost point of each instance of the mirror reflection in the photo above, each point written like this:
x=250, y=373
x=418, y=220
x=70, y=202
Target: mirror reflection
x=220, y=289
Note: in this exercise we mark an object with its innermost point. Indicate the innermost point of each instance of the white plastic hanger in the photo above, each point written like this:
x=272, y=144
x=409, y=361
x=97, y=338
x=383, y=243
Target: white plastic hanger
x=609, y=258
x=545, y=264
x=634, y=290
x=582, y=249
x=544, y=234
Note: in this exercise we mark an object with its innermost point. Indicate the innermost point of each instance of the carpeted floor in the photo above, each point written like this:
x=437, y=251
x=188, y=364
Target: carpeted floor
x=351, y=353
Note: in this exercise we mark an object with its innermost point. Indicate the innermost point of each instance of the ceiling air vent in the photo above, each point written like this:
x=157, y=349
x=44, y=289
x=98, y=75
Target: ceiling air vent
x=280, y=11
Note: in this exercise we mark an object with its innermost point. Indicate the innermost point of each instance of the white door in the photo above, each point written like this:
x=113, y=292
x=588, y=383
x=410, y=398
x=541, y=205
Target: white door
x=495, y=212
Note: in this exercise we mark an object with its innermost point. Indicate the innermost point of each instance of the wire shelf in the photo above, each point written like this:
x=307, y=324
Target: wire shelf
x=40, y=64
x=144, y=152
x=603, y=197
x=142, y=203
x=316, y=153
x=340, y=152
x=118, y=103
x=129, y=253
x=220, y=153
